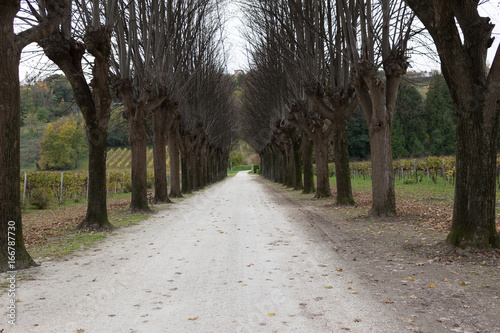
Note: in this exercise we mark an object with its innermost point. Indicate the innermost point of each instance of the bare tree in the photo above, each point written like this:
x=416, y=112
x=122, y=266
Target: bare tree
x=137, y=63
x=376, y=35
x=87, y=27
x=462, y=38
x=13, y=252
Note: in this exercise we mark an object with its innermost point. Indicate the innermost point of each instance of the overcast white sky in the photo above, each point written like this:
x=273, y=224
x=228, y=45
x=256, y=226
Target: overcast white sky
x=235, y=45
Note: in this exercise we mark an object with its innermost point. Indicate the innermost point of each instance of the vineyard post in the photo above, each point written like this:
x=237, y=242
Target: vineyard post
x=415, y=171
x=402, y=173
x=24, y=188
x=61, y=193
x=123, y=181
x=87, y=194
x=444, y=174
x=427, y=171
x=76, y=184
x=116, y=181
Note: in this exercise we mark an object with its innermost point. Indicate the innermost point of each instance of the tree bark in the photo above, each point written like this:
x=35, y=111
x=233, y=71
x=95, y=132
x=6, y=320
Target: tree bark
x=307, y=156
x=95, y=106
x=298, y=185
x=13, y=253
x=378, y=100
x=138, y=148
x=476, y=103
x=173, y=152
x=473, y=222
x=162, y=121
x=341, y=159
x=323, y=189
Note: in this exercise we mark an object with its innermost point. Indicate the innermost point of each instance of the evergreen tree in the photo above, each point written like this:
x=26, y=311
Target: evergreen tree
x=440, y=121
x=409, y=123
x=357, y=134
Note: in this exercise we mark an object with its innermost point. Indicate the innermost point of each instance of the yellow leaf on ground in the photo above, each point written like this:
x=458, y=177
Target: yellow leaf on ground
x=411, y=279
x=432, y=286
x=271, y=314
x=328, y=287
x=193, y=318
x=463, y=283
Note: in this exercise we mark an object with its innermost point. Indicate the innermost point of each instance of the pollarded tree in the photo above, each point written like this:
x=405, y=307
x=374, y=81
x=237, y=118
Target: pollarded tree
x=87, y=27
x=462, y=38
x=137, y=66
x=13, y=254
x=376, y=35
x=183, y=23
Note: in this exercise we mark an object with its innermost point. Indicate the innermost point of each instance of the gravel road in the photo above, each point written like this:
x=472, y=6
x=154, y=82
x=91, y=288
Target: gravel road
x=231, y=258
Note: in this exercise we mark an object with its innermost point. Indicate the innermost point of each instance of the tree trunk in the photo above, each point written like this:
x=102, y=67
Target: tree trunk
x=297, y=165
x=13, y=254
x=383, y=194
x=175, y=174
x=160, y=127
x=322, y=179
x=307, y=156
x=186, y=173
x=204, y=164
x=341, y=157
x=195, y=161
x=290, y=166
x=473, y=223
x=138, y=147
x=378, y=100
x=97, y=214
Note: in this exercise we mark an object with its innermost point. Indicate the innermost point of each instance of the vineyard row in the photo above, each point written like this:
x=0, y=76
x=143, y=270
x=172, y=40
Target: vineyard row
x=73, y=185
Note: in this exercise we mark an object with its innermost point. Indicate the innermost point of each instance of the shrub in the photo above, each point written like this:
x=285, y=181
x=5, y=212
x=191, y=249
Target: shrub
x=39, y=199
x=127, y=188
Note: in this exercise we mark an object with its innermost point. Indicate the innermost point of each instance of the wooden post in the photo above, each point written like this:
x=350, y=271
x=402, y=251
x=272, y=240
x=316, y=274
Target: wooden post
x=61, y=194
x=76, y=184
x=415, y=171
x=427, y=171
x=444, y=174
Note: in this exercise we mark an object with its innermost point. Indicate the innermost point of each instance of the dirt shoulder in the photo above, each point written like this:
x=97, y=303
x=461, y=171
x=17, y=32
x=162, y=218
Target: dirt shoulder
x=430, y=286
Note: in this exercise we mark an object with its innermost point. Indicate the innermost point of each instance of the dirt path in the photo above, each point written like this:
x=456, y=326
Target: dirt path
x=229, y=259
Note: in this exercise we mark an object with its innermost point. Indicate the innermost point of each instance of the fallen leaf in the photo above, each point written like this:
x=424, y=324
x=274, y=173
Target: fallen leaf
x=463, y=283
x=80, y=330
x=357, y=320
x=411, y=279
x=339, y=269
x=271, y=314
x=432, y=286
x=328, y=287
x=354, y=292
x=413, y=297
x=193, y=318
x=387, y=301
